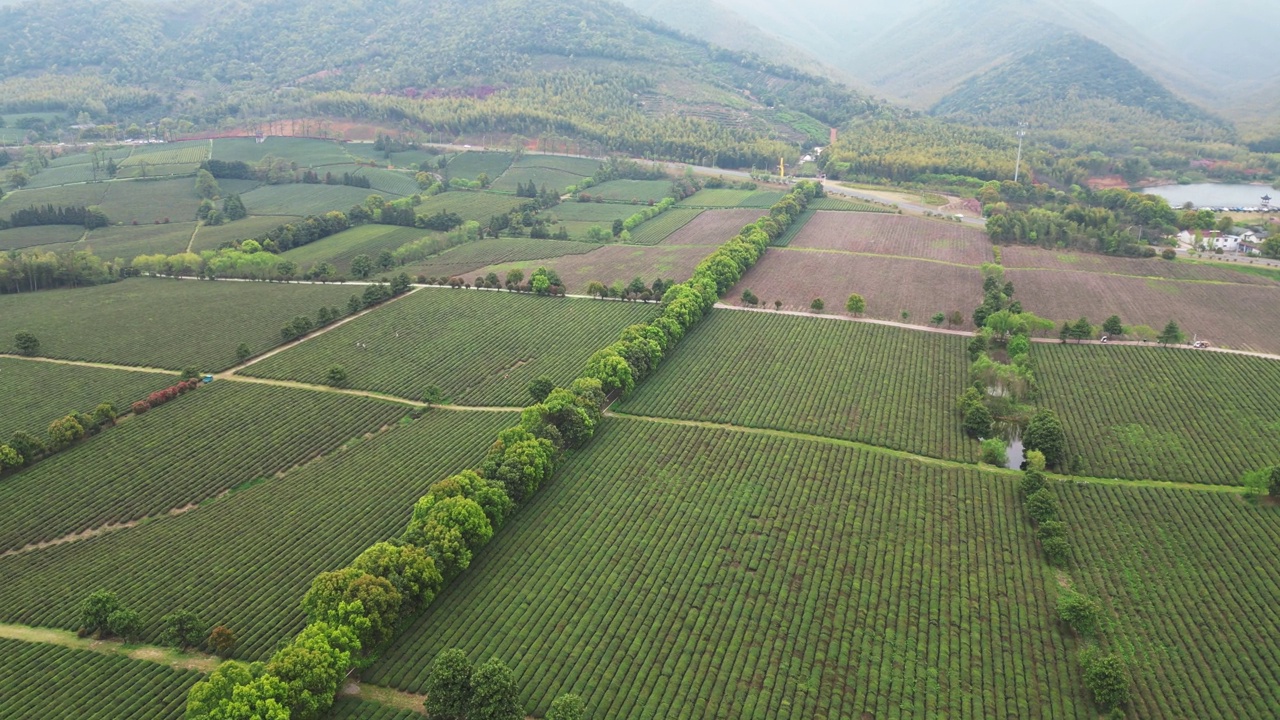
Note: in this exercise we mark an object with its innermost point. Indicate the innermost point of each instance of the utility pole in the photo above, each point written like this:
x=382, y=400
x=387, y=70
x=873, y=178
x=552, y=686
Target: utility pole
x=1017, y=168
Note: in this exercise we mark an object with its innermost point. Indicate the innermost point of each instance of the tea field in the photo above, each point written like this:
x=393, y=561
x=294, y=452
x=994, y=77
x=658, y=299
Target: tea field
x=301, y=199
x=246, y=560
x=211, y=237
x=465, y=260
x=675, y=572
x=342, y=248
x=631, y=191
x=470, y=165
x=347, y=708
x=30, y=237
x=37, y=393
x=1185, y=580
x=478, y=206
x=49, y=681
x=478, y=347
x=662, y=227
x=129, y=241
x=868, y=383
x=184, y=452
x=1162, y=413
x=170, y=324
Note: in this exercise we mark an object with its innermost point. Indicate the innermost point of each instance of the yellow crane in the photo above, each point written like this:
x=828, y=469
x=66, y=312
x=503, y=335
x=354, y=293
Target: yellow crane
x=782, y=167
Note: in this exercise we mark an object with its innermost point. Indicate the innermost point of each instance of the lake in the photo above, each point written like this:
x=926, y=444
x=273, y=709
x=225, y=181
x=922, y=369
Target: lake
x=1216, y=195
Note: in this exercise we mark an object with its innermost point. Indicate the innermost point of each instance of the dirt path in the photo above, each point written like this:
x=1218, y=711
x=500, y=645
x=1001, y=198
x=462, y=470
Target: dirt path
x=150, y=653
x=925, y=460
x=86, y=363
x=192, y=242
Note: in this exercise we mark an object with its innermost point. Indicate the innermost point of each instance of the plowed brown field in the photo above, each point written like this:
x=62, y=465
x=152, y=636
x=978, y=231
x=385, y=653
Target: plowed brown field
x=900, y=235
x=713, y=227
x=1032, y=257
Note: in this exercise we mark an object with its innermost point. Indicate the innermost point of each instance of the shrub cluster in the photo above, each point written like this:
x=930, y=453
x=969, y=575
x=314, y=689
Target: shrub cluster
x=25, y=449
x=160, y=397
x=354, y=610
x=648, y=214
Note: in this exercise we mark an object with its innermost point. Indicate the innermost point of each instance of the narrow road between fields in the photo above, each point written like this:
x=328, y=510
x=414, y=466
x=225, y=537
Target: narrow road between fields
x=924, y=459
x=86, y=363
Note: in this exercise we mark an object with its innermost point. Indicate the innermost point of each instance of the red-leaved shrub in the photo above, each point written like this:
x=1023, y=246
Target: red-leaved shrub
x=140, y=407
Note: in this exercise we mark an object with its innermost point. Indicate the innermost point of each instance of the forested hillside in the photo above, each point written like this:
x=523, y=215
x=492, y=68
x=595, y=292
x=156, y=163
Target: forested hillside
x=1088, y=96
x=461, y=66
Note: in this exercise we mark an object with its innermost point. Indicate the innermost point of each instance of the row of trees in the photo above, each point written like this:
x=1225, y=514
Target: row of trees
x=456, y=691
x=89, y=218
x=1114, y=222
x=103, y=615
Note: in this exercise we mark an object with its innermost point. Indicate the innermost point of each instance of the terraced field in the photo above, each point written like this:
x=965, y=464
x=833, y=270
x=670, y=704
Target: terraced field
x=185, y=452
x=631, y=191
x=1196, y=306
x=1017, y=256
x=1164, y=414
x=712, y=228
x=898, y=235
x=653, y=232
x=37, y=393
x=469, y=165
x=129, y=241
x=1182, y=577
x=552, y=172
x=868, y=383
x=170, y=324
x=301, y=199
x=480, y=348
x=210, y=237
x=478, y=206
x=889, y=285
x=49, y=681
x=578, y=218
x=680, y=572
x=342, y=248
x=247, y=559
x=27, y=237
x=720, y=198
x=465, y=260
x=180, y=158
x=304, y=151
x=618, y=263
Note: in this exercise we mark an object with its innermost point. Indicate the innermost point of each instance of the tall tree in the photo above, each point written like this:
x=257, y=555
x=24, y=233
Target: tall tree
x=1171, y=335
x=448, y=685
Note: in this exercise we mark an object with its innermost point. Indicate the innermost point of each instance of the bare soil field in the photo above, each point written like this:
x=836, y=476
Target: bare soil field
x=713, y=227
x=889, y=285
x=1240, y=317
x=1037, y=258
x=896, y=235
x=617, y=263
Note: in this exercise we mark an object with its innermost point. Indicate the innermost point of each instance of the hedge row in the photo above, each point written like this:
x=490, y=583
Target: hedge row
x=355, y=610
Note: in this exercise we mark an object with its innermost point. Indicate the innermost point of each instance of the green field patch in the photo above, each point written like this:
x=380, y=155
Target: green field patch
x=70, y=195
x=37, y=393
x=28, y=237
x=615, y=263
x=186, y=451
x=340, y=249
x=631, y=191
x=1155, y=413
x=303, y=199
x=869, y=383
x=389, y=183
x=716, y=198
x=479, y=348
x=553, y=172
x=469, y=165
x=464, y=260
x=304, y=151
x=1181, y=577
x=180, y=158
x=50, y=681
x=129, y=241
x=149, y=200
x=747, y=576
x=63, y=175
x=349, y=708
x=163, y=323
x=405, y=159
x=653, y=232
x=211, y=237
x=797, y=226
x=247, y=559
x=836, y=203
x=478, y=206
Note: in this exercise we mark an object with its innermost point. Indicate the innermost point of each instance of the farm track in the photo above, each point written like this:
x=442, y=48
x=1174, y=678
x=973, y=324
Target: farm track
x=200, y=662
x=922, y=459
x=829, y=251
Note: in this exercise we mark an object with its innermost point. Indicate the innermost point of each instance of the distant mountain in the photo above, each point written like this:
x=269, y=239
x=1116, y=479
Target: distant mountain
x=1062, y=83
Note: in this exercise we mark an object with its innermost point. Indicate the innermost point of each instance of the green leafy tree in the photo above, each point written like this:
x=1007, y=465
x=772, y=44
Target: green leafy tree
x=64, y=431
x=817, y=305
x=104, y=414
x=409, y=569
x=1171, y=335
x=10, y=458
x=234, y=209
x=1113, y=326
x=1045, y=434
x=189, y=373
x=433, y=395
x=750, y=298
x=448, y=685
x=1106, y=678
x=938, y=319
x=1035, y=460
x=27, y=344
x=977, y=421
x=336, y=596
x=856, y=304
x=1274, y=482
x=1081, y=330
x=206, y=186
x=124, y=623
x=182, y=629
x=515, y=277
x=567, y=707
x=336, y=376
x=312, y=668
x=1042, y=505
x=361, y=266
x=1079, y=612
x=222, y=640
x=96, y=610
x=494, y=694
x=243, y=352
x=239, y=690
x=993, y=452
x=540, y=388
